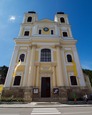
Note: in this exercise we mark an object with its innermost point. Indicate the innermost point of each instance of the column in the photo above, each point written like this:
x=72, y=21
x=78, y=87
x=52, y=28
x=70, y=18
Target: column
x=60, y=81
x=34, y=76
x=37, y=77
x=54, y=76
x=11, y=68
x=31, y=67
x=64, y=68
x=26, y=67
x=79, y=69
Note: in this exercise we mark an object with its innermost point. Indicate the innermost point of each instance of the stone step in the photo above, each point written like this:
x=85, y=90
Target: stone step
x=45, y=99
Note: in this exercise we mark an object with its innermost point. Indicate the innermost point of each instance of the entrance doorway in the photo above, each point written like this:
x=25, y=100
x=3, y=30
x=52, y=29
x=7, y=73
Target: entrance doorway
x=45, y=87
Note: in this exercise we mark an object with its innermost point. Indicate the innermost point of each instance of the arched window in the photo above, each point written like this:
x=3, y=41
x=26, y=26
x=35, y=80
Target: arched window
x=26, y=33
x=65, y=34
x=73, y=80
x=22, y=57
x=45, y=55
x=29, y=19
x=17, y=80
x=62, y=20
x=69, y=58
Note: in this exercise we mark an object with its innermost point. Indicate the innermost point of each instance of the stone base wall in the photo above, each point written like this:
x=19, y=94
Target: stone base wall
x=77, y=92
x=16, y=92
x=13, y=92
x=64, y=94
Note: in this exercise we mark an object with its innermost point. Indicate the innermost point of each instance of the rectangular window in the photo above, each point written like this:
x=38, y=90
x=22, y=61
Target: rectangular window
x=26, y=33
x=40, y=31
x=51, y=32
x=73, y=80
x=65, y=34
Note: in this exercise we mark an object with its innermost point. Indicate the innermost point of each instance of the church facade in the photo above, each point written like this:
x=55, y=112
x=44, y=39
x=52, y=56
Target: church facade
x=49, y=63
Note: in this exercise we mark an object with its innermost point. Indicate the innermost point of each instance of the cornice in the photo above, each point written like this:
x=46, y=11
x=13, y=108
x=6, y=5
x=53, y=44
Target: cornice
x=68, y=42
x=37, y=39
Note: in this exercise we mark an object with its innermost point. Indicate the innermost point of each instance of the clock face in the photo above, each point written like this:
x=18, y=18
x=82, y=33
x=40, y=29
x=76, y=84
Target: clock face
x=46, y=29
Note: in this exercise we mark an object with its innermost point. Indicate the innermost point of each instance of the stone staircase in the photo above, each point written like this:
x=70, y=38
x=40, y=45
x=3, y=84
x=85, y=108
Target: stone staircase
x=45, y=100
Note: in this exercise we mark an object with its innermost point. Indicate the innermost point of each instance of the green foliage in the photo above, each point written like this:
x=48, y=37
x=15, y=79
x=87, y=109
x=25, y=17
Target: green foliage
x=72, y=96
x=89, y=73
x=3, y=73
x=10, y=99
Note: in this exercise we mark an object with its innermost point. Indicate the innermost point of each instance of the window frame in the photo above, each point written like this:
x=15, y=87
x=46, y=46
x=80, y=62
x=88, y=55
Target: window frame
x=16, y=81
x=29, y=19
x=23, y=57
x=64, y=32
x=52, y=32
x=71, y=81
x=62, y=20
x=69, y=59
x=47, y=56
x=26, y=33
x=40, y=31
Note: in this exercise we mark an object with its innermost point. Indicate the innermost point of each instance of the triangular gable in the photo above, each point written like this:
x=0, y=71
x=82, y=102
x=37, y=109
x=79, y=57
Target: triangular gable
x=46, y=20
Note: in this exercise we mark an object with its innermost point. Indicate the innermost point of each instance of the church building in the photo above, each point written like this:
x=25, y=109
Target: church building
x=45, y=62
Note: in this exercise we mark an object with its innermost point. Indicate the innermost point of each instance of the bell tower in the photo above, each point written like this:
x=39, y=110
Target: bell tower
x=65, y=30
x=61, y=18
x=30, y=17
x=27, y=24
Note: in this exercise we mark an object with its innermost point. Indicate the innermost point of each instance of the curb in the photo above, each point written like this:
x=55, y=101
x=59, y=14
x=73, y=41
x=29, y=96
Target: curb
x=41, y=106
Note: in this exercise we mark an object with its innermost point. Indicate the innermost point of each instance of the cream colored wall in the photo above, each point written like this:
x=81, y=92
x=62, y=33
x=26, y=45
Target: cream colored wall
x=69, y=68
x=46, y=33
x=58, y=70
x=37, y=56
x=54, y=56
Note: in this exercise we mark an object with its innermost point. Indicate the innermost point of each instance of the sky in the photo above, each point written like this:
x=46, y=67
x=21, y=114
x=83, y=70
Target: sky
x=79, y=14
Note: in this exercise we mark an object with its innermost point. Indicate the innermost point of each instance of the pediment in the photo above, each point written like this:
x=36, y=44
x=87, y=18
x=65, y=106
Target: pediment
x=46, y=21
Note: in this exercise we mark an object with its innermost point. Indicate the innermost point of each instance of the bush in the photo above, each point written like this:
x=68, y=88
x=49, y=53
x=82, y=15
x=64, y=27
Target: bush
x=12, y=99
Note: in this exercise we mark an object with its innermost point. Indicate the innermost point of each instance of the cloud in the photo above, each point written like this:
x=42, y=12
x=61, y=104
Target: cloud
x=12, y=18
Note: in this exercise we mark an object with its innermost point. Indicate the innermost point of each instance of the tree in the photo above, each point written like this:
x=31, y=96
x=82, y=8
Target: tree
x=3, y=73
x=89, y=73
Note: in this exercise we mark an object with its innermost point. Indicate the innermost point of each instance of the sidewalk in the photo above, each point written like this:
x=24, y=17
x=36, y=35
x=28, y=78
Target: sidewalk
x=42, y=105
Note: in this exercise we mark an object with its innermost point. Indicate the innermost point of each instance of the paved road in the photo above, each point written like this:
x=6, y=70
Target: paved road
x=47, y=111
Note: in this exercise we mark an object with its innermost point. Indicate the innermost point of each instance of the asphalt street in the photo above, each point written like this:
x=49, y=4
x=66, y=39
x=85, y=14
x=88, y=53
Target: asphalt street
x=47, y=111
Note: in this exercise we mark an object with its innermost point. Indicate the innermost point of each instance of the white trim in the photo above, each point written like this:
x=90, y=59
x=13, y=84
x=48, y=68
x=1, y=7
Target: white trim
x=21, y=52
x=46, y=44
x=27, y=28
x=19, y=73
x=23, y=45
x=79, y=69
x=11, y=67
x=72, y=74
x=65, y=69
x=68, y=53
x=69, y=49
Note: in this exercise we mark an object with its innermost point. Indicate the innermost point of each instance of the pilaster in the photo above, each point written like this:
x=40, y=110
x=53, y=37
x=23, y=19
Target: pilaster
x=60, y=81
x=54, y=76
x=26, y=67
x=79, y=69
x=12, y=67
x=65, y=76
x=31, y=67
x=37, y=77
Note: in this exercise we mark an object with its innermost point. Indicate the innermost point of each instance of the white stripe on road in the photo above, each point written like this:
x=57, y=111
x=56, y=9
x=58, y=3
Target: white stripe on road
x=68, y=113
x=42, y=111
